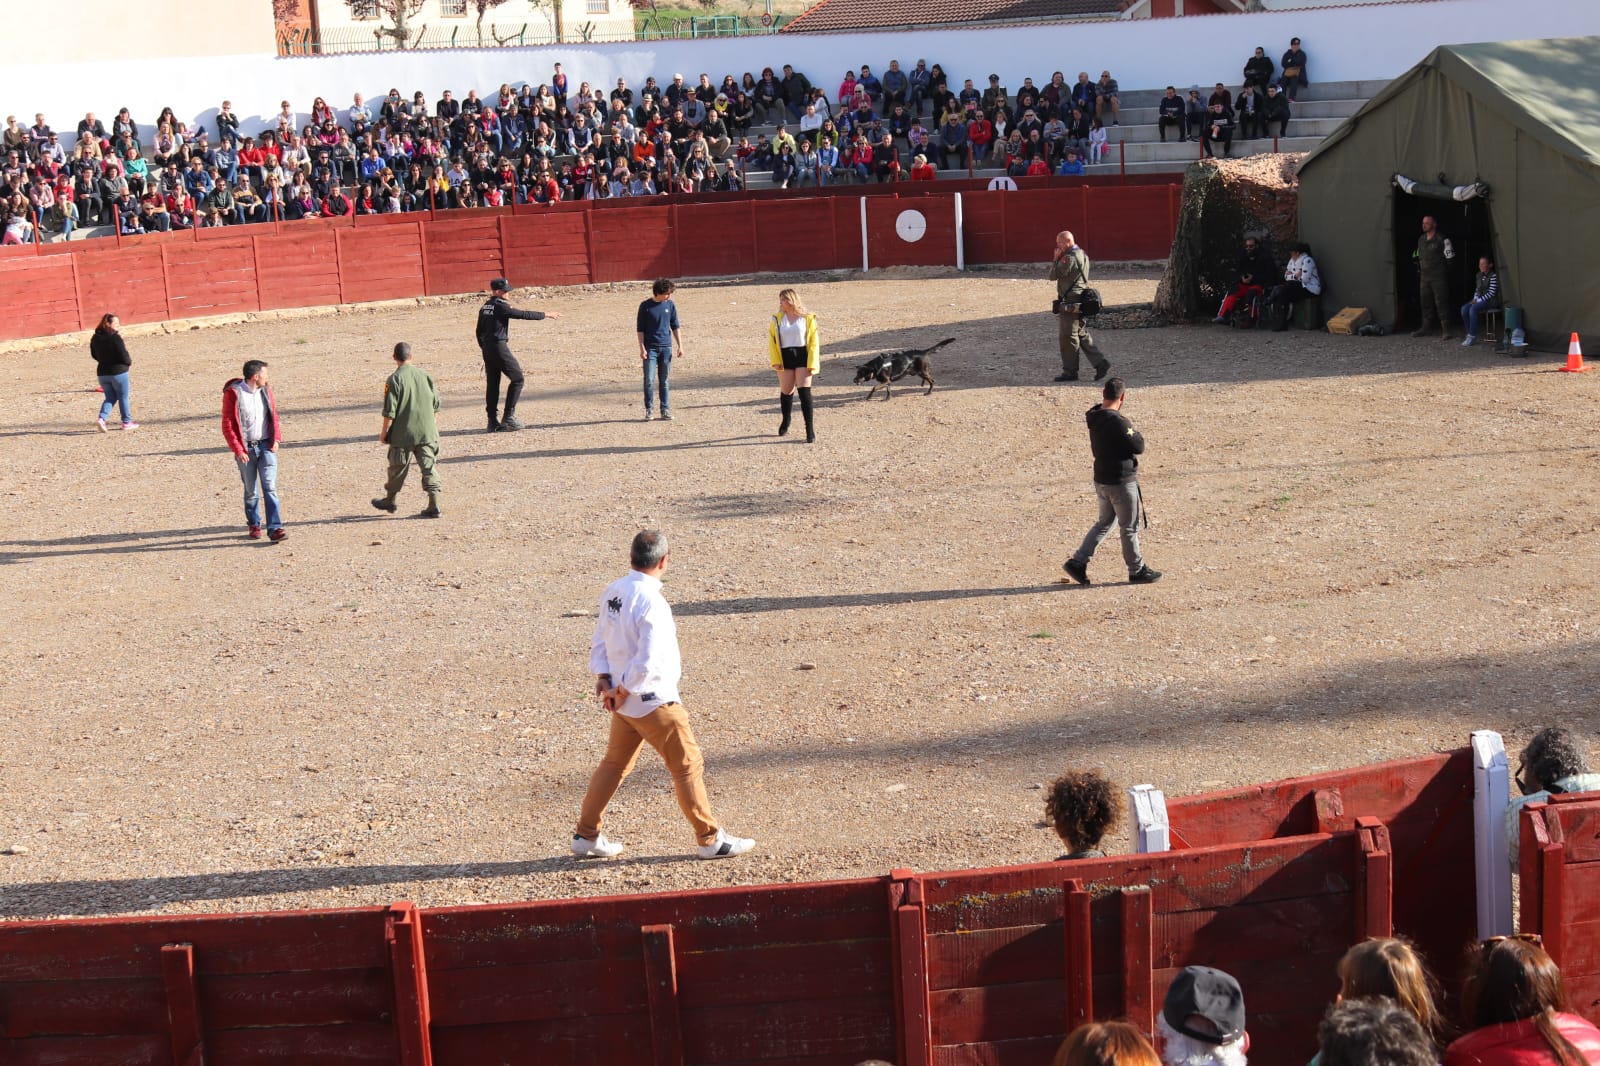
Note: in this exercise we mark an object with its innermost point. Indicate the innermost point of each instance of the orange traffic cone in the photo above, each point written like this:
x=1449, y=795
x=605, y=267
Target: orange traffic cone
x=1574, y=357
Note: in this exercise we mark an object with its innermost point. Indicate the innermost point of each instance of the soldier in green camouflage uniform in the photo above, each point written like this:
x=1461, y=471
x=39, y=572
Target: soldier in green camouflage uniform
x=1434, y=252
x=1070, y=271
x=410, y=402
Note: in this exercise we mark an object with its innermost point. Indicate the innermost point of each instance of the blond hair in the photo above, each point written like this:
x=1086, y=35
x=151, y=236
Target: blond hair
x=792, y=298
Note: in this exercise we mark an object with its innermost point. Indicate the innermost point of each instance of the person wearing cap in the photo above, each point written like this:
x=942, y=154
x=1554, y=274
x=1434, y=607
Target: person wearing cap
x=995, y=96
x=1294, y=69
x=1202, y=1020
x=493, y=341
x=410, y=429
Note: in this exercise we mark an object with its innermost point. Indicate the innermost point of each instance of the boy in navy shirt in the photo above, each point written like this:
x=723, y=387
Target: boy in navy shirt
x=658, y=334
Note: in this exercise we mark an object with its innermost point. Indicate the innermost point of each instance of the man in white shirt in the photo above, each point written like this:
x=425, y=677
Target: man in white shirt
x=634, y=657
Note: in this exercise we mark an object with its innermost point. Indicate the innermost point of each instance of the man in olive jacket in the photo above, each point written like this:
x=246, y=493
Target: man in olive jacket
x=410, y=402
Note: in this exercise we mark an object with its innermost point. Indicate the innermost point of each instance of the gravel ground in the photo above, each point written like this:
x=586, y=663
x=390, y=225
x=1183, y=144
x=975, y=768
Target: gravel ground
x=1372, y=546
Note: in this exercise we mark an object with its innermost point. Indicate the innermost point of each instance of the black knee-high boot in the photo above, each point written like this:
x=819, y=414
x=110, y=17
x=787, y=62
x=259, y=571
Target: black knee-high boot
x=805, y=412
x=786, y=404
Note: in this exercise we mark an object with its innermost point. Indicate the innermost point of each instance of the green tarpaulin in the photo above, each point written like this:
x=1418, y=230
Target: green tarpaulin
x=1522, y=117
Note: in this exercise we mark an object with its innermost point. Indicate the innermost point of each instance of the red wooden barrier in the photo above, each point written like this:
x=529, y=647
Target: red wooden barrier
x=1560, y=860
x=1018, y=957
x=1426, y=803
x=320, y=987
x=59, y=288
x=773, y=974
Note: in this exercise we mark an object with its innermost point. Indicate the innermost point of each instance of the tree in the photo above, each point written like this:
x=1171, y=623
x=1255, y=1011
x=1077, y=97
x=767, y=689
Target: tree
x=483, y=7
x=397, y=11
x=286, y=10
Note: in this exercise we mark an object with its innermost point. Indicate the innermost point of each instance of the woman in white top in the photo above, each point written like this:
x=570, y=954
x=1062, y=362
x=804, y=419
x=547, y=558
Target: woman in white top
x=792, y=347
x=1300, y=280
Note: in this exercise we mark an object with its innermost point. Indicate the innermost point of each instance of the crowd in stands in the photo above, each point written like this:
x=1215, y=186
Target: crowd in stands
x=548, y=142
x=1513, y=1008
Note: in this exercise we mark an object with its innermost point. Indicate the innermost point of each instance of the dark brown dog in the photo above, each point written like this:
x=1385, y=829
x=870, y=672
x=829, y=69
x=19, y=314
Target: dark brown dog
x=892, y=366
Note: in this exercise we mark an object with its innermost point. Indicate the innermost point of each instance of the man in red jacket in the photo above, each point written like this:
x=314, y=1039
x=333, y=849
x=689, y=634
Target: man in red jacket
x=251, y=428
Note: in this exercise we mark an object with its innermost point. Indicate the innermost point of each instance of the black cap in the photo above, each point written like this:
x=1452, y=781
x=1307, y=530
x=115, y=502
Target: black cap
x=1211, y=994
x=500, y=285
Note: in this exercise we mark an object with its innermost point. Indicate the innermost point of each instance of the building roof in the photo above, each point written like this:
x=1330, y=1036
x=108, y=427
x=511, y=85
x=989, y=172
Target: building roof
x=837, y=15
x=1546, y=88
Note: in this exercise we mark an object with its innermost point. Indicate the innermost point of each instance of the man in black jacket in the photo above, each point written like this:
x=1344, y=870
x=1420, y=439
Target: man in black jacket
x=1116, y=446
x=493, y=335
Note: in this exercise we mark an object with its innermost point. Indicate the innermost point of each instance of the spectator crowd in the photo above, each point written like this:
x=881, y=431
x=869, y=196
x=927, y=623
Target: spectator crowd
x=548, y=142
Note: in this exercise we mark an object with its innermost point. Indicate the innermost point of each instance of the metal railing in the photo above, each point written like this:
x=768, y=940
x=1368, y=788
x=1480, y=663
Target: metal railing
x=370, y=37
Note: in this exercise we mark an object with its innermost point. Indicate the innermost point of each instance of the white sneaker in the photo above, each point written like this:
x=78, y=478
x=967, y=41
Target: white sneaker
x=598, y=848
x=1469, y=342
x=725, y=846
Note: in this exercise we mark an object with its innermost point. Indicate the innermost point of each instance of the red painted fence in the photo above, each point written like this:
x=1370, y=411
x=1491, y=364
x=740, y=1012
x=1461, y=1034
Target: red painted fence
x=964, y=968
x=1560, y=859
x=60, y=288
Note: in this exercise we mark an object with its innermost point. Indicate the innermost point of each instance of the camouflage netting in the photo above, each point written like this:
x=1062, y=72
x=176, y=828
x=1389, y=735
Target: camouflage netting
x=1224, y=201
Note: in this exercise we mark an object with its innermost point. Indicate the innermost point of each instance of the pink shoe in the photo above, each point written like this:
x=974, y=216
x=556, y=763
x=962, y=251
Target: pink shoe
x=130, y=425
x=101, y=423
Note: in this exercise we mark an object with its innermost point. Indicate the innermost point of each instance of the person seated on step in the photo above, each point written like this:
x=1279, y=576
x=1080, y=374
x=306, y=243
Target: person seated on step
x=1300, y=280
x=1256, y=270
x=1274, y=108
x=1080, y=806
x=1218, y=130
x=1552, y=763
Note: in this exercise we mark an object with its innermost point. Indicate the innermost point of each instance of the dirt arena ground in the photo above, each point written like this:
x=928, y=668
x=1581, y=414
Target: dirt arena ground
x=1371, y=547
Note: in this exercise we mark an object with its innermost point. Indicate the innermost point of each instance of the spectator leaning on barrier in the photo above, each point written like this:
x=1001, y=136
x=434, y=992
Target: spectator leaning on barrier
x=1202, y=1020
x=1373, y=1032
x=1106, y=1044
x=1552, y=763
x=1080, y=806
x=1515, y=1006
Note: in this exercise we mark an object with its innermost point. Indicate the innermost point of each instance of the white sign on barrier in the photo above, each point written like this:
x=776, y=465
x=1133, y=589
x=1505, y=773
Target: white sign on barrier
x=1147, y=810
x=910, y=226
x=1004, y=183
x=1491, y=795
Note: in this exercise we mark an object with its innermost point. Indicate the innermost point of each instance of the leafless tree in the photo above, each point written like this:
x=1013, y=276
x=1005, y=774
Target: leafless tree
x=483, y=7
x=398, y=12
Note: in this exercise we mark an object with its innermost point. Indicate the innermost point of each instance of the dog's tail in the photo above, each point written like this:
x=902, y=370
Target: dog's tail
x=936, y=347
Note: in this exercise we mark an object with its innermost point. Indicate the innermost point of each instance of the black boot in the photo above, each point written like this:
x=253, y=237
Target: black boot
x=805, y=412
x=786, y=405
x=494, y=420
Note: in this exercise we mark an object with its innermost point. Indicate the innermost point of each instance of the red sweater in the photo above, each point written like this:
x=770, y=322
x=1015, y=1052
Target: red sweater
x=1519, y=1044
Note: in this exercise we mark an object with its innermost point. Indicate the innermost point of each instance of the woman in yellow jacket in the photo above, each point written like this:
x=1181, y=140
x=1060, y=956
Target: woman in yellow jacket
x=792, y=343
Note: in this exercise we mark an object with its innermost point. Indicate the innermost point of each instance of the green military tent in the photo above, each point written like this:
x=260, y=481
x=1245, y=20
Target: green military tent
x=1517, y=123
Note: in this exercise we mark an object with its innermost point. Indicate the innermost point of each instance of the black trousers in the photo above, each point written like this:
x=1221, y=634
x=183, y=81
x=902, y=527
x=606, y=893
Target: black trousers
x=498, y=361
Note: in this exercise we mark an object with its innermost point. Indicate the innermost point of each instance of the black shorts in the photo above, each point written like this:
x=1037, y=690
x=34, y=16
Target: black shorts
x=794, y=358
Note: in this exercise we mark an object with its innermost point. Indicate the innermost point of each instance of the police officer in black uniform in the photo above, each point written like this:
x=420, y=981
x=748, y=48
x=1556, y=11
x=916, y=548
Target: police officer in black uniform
x=497, y=358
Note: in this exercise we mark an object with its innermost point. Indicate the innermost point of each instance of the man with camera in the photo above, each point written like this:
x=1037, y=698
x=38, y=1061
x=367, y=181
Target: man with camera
x=1075, y=301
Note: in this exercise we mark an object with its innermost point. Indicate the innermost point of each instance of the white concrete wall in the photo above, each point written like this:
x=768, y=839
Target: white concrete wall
x=1343, y=44
x=83, y=31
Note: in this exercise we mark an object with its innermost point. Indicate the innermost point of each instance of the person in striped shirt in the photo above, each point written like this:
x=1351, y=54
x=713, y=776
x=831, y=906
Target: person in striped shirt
x=1485, y=295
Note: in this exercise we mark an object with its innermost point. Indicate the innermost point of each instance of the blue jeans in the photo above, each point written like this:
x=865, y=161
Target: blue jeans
x=260, y=466
x=657, y=364
x=1471, y=312
x=117, y=393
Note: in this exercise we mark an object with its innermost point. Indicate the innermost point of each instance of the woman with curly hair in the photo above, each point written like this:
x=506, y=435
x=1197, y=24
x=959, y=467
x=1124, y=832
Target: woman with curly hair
x=1080, y=806
x=1515, y=1005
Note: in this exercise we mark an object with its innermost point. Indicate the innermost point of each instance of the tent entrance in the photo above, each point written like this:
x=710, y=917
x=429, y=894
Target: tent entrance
x=1470, y=229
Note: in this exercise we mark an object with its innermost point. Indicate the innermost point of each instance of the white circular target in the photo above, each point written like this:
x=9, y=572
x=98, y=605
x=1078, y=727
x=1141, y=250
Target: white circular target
x=910, y=226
